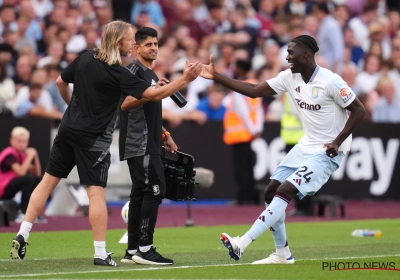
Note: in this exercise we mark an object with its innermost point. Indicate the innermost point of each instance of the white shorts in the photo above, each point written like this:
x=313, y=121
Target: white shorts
x=307, y=171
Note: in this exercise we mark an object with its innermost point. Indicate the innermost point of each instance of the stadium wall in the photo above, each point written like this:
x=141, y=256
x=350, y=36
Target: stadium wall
x=370, y=170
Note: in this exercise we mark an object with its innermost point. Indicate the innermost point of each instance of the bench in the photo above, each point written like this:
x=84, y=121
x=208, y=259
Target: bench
x=8, y=211
x=332, y=201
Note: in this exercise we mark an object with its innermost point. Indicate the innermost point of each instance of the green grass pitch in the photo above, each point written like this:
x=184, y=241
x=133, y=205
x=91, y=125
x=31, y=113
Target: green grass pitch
x=198, y=254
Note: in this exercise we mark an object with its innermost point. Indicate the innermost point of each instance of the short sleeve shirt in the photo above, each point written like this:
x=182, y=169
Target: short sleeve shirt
x=140, y=128
x=320, y=104
x=88, y=122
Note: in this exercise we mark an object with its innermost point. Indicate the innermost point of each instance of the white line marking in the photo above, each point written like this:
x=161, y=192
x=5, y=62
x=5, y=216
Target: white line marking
x=177, y=267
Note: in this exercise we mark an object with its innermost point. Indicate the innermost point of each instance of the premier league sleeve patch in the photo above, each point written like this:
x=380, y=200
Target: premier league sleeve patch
x=345, y=94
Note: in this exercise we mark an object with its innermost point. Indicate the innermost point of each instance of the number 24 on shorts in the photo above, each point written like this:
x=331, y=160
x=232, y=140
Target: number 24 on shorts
x=306, y=176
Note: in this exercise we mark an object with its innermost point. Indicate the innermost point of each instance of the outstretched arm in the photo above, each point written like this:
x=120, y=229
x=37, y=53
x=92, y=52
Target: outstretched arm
x=131, y=102
x=357, y=114
x=190, y=73
x=248, y=89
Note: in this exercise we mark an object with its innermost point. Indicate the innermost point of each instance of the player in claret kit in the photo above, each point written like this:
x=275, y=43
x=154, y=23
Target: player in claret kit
x=322, y=100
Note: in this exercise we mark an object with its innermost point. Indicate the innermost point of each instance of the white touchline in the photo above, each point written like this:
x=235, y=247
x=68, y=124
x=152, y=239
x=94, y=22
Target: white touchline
x=178, y=267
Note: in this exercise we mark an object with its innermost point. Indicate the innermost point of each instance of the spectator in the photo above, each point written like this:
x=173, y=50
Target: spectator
x=264, y=15
x=366, y=80
x=356, y=52
x=349, y=73
x=183, y=16
x=31, y=107
x=77, y=39
x=152, y=8
x=387, y=109
x=329, y=37
x=6, y=59
x=243, y=122
x=53, y=71
x=34, y=30
x=341, y=14
x=7, y=92
x=360, y=24
x=214, y=22
x=55, y=53
x=212, y=104
x=20, y=169
x=42, y=8
x=379, y=32
x=311, y=25
x=174, y=115
x=23, y=72
x=199, y=10
x=282, y=8
x=240, y=34
x=280, y=30
x=7, y=19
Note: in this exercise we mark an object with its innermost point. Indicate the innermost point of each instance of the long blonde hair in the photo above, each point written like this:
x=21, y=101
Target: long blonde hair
x=113, y=33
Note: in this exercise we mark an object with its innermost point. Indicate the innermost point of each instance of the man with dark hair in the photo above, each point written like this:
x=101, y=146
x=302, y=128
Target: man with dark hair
x=140, y=142
x=321, y=98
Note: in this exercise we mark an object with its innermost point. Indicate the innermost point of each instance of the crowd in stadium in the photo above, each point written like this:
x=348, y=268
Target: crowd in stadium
x=358, y=39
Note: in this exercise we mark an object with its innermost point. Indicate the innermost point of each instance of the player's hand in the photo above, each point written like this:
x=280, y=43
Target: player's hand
x=191, y=71
x=208, y=71
x=332, y=149
x=170, y=145
x=162, y=82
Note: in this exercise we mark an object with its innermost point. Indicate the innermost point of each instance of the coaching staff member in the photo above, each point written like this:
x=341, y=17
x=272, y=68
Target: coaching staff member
x=140, y=141
x=85, y=132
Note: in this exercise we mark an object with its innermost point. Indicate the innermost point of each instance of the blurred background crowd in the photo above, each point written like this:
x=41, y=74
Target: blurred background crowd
x=358, y=39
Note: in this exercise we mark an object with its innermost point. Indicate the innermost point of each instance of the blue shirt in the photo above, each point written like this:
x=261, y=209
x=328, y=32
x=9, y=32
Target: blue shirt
x=152, y=8
x=385, y=112
x=23, y=109
x=212, y=114
x=330, y=41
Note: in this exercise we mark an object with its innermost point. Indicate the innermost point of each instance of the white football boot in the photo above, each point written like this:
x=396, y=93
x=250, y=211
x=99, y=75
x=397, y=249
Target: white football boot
x=234, y=245
x=275, y=259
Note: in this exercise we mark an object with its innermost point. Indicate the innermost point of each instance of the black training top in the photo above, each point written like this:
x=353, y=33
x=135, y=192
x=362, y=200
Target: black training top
x=88, y=122
x=140, y=128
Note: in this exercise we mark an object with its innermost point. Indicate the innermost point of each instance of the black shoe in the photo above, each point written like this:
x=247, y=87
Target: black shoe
x=127, y=258
x=18, y=248
x=107, y=261
x=151, y=257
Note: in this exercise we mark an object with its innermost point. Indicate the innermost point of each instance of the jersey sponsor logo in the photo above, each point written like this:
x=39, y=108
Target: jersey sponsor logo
x=314, y=93
x=269, y=211
x=298, y=181
x=343, y=92
x=306, y=106
x=156, y=189
x=297, y=89
x=262, y=218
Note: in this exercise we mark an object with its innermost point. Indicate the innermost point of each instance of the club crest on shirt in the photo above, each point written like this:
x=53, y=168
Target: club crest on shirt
x=156, y=189
x=153, y=83
x=314, y=93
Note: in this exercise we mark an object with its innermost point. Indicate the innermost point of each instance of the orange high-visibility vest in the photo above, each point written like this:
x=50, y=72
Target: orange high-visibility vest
x=235, y=130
